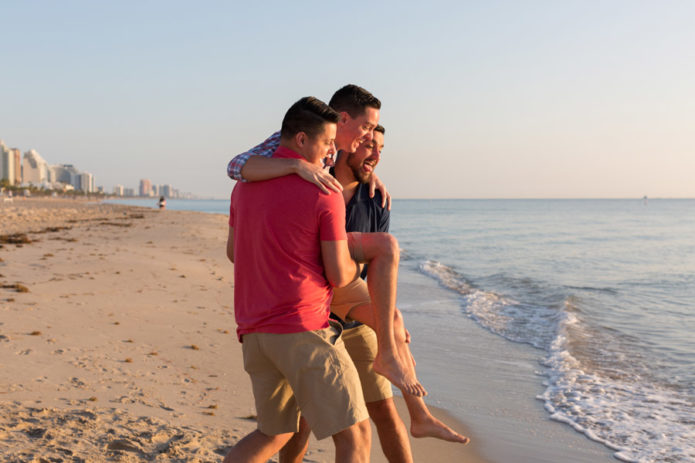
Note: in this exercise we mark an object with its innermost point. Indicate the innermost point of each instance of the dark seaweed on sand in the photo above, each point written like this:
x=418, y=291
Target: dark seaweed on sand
x=17, y=287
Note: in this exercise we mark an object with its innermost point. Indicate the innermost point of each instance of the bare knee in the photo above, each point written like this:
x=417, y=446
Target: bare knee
x=380, y=245
x=295, y=449
x=390, y=246
x=356, y=440
x=256, y=447
x=382, y=411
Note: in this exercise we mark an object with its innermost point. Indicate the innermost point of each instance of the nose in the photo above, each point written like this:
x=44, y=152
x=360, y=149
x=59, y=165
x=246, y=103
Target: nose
x=329, y=161
x=369, y=135
x=332, y=150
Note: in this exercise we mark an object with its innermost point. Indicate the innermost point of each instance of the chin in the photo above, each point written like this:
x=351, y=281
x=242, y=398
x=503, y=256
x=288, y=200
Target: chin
x=365, y=178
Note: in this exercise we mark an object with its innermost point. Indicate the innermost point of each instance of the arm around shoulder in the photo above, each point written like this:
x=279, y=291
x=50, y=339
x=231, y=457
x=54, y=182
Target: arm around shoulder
x=259, y=168
x=236, y=169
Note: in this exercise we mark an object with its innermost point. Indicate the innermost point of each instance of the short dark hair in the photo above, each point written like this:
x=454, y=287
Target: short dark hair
x=353, y=100
x=380, y=128
x=307, y=115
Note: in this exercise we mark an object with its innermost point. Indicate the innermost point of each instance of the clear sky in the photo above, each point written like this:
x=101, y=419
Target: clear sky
x=485, y=99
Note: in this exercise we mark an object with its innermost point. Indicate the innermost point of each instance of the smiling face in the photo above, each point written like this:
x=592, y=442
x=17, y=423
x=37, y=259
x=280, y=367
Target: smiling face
x=320, y=146
x=354, y=130
x=364, y=160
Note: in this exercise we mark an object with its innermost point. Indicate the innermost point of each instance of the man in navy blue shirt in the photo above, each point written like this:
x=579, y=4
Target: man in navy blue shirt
x=367, y=215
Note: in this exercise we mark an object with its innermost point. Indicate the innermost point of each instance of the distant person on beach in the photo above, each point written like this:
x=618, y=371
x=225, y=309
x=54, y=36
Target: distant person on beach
x=359, y=115
x=368, y=214
x=162, y=203
x=286, y=240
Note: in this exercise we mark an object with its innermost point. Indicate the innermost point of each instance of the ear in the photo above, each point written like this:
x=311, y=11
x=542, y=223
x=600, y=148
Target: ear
x=344, y=118
x=300, y=139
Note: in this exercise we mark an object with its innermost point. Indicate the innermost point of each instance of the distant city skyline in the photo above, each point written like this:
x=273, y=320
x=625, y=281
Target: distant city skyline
x=498, y=99
x=31, y=169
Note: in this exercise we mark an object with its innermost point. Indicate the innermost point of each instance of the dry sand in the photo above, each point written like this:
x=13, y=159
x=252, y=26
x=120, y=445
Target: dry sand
x=117, y=339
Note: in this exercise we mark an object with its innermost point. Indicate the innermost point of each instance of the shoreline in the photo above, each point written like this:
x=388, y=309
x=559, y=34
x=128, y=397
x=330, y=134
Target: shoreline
x=487, y=382
x=123, y=348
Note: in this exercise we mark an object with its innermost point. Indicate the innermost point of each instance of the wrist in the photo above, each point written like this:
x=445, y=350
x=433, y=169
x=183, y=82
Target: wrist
x=295, y=166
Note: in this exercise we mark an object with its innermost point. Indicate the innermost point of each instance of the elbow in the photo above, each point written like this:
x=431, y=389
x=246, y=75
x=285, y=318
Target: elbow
x=338, y=282
x=342, y=278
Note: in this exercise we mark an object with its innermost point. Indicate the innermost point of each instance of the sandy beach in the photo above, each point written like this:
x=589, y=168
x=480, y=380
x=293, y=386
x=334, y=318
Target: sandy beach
x=117, y=339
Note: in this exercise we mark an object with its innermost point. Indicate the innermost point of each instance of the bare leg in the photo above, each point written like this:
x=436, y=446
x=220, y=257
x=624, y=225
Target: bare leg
x=295, y=449
x=423, y=424
x=256, y=448
x=366, y=314
x=353, y=445
x=380, y=251
x=393, y=435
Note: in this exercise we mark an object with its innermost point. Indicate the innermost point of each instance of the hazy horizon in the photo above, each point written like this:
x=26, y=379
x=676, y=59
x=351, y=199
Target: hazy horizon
x=494, y=100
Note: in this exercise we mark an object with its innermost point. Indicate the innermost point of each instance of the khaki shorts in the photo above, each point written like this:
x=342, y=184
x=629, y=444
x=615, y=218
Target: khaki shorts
x=348, y=297
x=309, y=371
x=361, y=344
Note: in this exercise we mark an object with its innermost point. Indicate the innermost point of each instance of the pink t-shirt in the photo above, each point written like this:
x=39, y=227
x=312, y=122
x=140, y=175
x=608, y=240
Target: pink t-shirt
x=279, y=280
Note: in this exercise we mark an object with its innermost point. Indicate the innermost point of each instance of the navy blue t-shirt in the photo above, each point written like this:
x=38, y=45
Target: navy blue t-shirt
x=365, y=214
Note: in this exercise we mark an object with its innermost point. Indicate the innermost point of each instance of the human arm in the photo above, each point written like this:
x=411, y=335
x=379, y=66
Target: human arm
x=375, y=183
x=339, y=267
x=230, y=244
x=232, y=218
x=257, y=164
x=266, y=149
x=383, y=219
x=260, y=168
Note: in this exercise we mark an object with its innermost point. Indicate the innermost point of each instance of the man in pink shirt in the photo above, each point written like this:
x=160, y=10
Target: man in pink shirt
x=289, y=246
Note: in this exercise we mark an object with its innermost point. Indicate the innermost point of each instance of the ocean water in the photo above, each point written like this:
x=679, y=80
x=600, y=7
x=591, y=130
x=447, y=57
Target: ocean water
x=603, y=291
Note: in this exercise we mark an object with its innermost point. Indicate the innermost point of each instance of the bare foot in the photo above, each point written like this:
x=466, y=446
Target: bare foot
x=391, y=368
x=432, y=427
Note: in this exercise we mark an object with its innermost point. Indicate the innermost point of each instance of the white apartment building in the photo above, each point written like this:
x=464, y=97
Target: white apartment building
x=7, y=164
x=85, y=181
x=35, y=169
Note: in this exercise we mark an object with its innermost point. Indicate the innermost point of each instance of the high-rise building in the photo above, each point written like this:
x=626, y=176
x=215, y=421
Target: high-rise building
x=166, y=191
x=35, y=169
x=65, y=173
x=85, y=182
x=7, y=168
x=17, y=155
x=145, y=187
x=118, y=190
x=129, y=192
